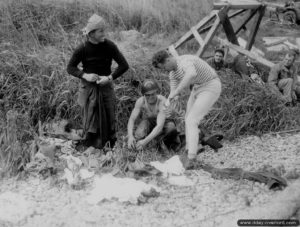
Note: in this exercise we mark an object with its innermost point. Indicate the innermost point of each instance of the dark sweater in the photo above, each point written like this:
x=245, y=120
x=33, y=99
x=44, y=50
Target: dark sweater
x=97, y=58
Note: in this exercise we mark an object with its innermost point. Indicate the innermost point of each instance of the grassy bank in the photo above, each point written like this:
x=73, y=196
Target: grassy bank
x=38, y=37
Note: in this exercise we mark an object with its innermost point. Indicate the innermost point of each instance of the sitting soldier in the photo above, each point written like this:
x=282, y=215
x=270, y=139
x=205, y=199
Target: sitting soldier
x=283, y=78
x=156, y=121
x=217, y=61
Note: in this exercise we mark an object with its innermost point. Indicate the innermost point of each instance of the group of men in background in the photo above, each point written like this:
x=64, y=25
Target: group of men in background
x=282, y=79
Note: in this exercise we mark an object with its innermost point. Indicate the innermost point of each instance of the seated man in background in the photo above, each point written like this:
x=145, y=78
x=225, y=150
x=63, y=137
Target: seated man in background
x=217, y=61
x=156, y=121
x=283, y=78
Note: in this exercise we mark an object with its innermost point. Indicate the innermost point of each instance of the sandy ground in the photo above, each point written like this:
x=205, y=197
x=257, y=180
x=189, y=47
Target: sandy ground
x=52, y=204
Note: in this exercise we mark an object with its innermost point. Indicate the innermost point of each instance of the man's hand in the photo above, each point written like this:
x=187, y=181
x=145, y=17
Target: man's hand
x=140, y=144
x=170, y=99
x=90, y=77
x=102, y=80
x=131, y=142
x=172, y=95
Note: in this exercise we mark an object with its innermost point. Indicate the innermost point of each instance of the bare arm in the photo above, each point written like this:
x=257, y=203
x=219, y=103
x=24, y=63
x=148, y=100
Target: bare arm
x=134, y=114
x=160, y=121
x=190, y=74
x=273, y=77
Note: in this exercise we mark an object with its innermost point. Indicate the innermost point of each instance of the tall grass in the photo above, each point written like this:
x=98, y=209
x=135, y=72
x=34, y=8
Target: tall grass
x=38, y=37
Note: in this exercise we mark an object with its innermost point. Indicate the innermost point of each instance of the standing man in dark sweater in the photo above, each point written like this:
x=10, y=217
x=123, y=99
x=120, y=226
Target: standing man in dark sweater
x=96, y=94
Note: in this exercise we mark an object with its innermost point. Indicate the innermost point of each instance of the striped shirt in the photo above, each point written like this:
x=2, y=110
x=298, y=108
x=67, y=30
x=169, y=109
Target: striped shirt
x=195, y=65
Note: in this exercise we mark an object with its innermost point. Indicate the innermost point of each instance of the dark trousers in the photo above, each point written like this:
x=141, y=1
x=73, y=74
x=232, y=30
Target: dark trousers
x=99, y=124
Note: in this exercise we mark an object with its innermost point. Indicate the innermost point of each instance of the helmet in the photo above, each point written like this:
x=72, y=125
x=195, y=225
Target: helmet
x=149, y=85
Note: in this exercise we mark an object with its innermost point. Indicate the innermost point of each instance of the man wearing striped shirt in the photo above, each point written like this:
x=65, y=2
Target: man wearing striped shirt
x=184, y=71
x=156, y=120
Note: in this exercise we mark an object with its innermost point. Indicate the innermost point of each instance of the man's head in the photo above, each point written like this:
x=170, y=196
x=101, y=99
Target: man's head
x=163, y=60
x=150, y=90
x=219, y=55
x=95, y=28
x=290, y=58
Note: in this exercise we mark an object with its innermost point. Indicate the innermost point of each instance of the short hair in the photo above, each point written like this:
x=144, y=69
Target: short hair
x=293, y=53
x=220, y=50
x=160, y=57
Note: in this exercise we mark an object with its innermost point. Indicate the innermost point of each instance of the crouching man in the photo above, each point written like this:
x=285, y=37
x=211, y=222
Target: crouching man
x=156, y=122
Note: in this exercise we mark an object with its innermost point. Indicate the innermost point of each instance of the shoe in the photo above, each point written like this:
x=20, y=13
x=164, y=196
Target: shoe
x=187, y=163
x=213, y=142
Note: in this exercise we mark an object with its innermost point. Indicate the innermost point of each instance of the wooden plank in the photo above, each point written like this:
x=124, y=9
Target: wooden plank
x=173, y=51
x=197, y=36
x=229, y=31
x=189, y=34
x=209, y=37
x=244, y=22
x=238, y=4
x=238, y=12
x=247, y=53
x=222, y=14
x=255, y=27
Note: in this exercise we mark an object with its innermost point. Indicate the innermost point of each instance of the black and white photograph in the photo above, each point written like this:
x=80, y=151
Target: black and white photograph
x=149, y=113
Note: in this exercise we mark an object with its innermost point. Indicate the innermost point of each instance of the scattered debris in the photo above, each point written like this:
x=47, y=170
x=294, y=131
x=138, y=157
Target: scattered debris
x=281, y=43
x=74, y=173
x=171, y=166
x=61, y=129
x=122, y=189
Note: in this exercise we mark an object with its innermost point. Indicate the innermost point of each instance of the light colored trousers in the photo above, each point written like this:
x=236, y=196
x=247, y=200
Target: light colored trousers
x=201, y=99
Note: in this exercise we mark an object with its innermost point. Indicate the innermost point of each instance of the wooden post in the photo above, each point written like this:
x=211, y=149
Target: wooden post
x=202, y=23
x=229, y=31
x=238, y=12
x=255, y=27
x=209, y=37
x=248, y=18
x=220, y=18
x=197, y=36
x=173, y=51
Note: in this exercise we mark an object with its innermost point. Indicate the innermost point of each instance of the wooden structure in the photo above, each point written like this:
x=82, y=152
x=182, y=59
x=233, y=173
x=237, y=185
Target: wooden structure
x=220, y=16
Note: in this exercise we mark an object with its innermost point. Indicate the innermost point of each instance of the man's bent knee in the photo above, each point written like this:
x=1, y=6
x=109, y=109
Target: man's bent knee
x=169, y=127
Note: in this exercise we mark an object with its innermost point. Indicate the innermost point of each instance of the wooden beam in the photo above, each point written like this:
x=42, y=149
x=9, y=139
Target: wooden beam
x=244, y=22
x=255, y=27
x=229, y=31
x=197, y=36
x=189, y=34
x=236, y=4
x=173, y=51
x=221, y=16
x=238, y=12
x=247, y=53
x=209, y=37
